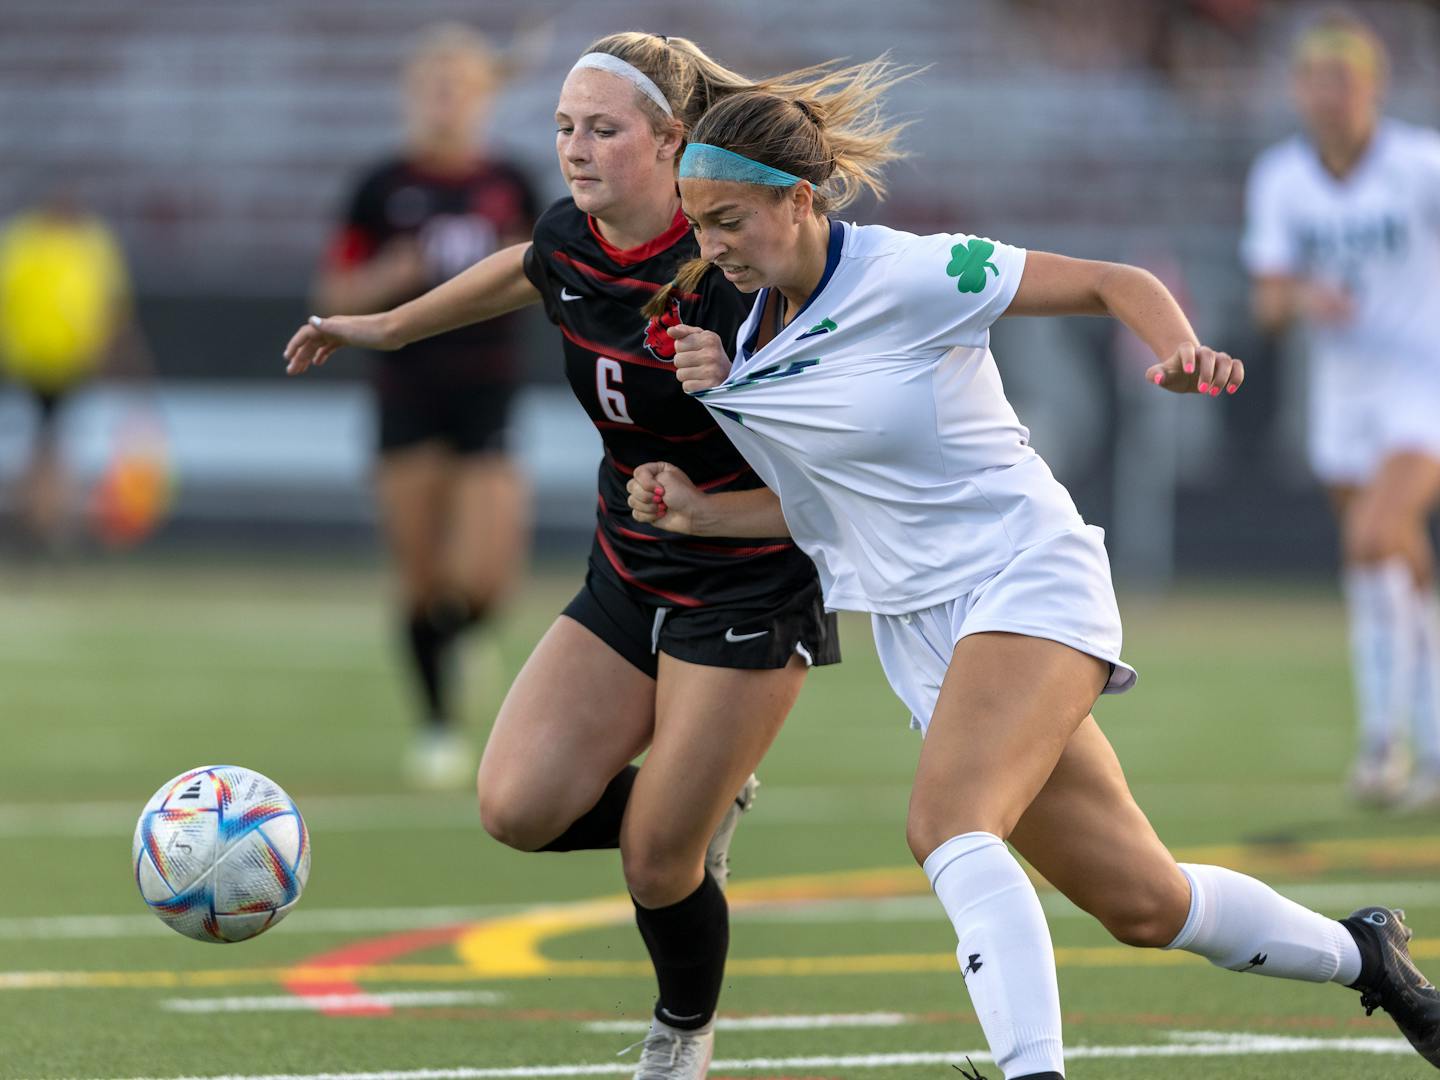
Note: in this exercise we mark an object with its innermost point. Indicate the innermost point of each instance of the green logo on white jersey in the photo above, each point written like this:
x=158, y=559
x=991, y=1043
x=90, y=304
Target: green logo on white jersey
x=968, y=263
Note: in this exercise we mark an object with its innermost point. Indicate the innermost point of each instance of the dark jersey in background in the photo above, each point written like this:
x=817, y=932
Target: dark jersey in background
x=621, y=370
x=457, y=219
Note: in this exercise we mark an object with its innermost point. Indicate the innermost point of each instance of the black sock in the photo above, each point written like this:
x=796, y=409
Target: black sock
x=431, y=633
x=599, y=827
x=688, y=942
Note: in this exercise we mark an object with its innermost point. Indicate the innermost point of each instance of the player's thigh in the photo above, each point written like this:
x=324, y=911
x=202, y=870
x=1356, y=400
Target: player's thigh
x=489, y=525
x=576, y=714
x=713, y=725
x=1087, y=836
x=1387, y=517
x=1006, y=710
x=410, y=484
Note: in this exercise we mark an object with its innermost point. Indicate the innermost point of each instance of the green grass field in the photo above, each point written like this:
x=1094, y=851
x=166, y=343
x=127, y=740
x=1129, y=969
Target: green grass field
x=484, y=962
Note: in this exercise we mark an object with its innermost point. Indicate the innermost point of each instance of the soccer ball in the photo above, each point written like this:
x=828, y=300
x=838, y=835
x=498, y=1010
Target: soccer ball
x=220, y=853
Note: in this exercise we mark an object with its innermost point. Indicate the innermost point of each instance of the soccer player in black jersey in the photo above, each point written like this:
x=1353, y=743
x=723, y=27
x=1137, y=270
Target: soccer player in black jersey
x=413, y=221
x=694, y=649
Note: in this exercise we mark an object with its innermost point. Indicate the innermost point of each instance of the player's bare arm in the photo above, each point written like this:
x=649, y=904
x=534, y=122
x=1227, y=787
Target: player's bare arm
x=494, y=286
x=662, y=495
x=1278, y=300
x=1057, y=285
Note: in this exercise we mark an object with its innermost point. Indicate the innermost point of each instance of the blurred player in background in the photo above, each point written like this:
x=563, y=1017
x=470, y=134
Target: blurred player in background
x=1343, y=237
x=454, y=507
x=694, y=649
x=66, y=316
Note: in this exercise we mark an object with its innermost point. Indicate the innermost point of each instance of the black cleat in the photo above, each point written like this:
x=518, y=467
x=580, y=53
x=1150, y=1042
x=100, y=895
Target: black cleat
x=1390, y=980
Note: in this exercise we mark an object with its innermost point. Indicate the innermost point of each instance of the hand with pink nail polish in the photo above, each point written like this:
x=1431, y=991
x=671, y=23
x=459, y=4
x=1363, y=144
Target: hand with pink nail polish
x=1197, y=369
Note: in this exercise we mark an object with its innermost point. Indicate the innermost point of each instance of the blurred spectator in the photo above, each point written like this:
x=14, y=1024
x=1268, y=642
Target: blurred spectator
x=66, y=316
x=454, y=508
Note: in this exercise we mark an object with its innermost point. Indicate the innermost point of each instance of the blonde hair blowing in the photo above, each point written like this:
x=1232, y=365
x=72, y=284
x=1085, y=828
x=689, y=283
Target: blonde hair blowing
x=1340, y=34
x=824, y=124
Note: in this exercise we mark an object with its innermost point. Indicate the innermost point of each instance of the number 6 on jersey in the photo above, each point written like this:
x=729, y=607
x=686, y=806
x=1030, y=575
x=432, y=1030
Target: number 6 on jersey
x=608, y=376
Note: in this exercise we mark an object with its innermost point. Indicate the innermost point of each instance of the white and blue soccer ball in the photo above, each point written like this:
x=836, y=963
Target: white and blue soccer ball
x=221, y=853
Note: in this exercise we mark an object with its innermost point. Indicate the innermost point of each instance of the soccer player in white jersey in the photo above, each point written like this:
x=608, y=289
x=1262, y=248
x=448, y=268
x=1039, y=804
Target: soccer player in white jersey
x=1343, y=237
x=863, y=391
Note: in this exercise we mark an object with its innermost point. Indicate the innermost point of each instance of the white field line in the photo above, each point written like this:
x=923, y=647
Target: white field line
x=292, y=1003
x=319, y=920
x=771, y=1023
x=1329, y=896
x=880, y=805
x=1185, y=1044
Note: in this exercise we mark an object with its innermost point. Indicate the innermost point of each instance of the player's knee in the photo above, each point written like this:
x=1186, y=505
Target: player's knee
x=656, y=873
x=928, y=825
x=1145, y=918
x=1374, y=538
x=510, y=821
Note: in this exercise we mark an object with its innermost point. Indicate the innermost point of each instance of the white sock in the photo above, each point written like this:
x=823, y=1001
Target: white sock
x=1425, y=714
x=1242, y=924
x=1005, y=952
x=1383, y=644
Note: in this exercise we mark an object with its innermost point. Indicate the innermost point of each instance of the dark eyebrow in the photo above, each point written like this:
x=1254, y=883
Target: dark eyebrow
x=716, y=211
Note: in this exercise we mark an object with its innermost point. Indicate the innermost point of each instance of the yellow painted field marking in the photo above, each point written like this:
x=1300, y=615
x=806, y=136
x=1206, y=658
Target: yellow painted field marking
x=511, y=947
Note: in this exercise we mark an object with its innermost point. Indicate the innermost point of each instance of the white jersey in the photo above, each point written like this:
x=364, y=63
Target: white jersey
x=1376, y=234
x=878, y=418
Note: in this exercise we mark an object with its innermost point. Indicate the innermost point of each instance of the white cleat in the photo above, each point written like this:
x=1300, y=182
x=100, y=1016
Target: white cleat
x=440, y=760
x=1380, y=779
x=717, y=855
x=669, y=1053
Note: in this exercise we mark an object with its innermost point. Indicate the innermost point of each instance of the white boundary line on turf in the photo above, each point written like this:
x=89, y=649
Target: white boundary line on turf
x=772, y=1023
x=1324, y=896
x=292, y=1003
x=1185, y=1044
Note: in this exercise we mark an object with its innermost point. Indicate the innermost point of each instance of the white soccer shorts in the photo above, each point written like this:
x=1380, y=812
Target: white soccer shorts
x=1362, y=413
x=1060, y=590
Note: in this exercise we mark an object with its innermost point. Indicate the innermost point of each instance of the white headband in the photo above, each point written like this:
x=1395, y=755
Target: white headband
x=626, y=70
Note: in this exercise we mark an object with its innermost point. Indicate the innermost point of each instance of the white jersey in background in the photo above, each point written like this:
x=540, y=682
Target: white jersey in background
x=878, y=417
x=1375, y=233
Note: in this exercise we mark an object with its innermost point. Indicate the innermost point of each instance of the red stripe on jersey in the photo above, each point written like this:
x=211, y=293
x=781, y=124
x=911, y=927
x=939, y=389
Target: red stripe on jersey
x=615, y=354
x=709, y=549
x=350, y=248
x=631, y=579
x=720, y=481
x=616, y=279
x=610, y=425
x=679, y=229
x=759, y=549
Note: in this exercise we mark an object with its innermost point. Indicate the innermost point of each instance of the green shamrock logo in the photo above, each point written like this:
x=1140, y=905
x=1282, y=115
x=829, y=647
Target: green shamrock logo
x=968, y=263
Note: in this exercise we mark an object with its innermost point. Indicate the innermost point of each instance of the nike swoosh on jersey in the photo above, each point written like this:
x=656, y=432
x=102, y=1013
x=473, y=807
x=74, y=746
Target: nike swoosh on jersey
x=730, y=635
x=566, y=294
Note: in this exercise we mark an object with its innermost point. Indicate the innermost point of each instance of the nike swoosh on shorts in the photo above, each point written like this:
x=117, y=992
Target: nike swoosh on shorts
x=730, y=635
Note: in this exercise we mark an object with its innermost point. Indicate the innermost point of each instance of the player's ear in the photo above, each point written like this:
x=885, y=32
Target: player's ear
x=802, y=201
x=669, y=142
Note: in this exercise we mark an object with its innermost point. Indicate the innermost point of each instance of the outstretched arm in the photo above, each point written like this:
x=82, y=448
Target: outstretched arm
x=1056, y=285
x=494, y=286
x=662, y=495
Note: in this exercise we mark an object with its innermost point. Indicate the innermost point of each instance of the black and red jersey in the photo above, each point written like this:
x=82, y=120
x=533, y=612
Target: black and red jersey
x=457, y=219
x=620, y=366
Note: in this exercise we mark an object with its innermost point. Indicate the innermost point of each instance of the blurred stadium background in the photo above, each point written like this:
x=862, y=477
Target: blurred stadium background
x=219, y=139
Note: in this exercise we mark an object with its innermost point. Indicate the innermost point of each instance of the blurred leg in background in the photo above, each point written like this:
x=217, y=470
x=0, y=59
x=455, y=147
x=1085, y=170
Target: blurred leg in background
x=1395, y=627
x=458, y=527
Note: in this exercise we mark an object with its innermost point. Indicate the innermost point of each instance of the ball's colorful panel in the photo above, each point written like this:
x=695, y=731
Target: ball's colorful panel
x=284, y=834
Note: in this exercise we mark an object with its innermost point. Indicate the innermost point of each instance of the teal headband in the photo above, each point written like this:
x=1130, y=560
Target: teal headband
x=701, y=161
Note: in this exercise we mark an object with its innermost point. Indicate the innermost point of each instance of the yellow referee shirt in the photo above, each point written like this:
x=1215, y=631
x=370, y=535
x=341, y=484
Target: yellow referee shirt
x=60, y=279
